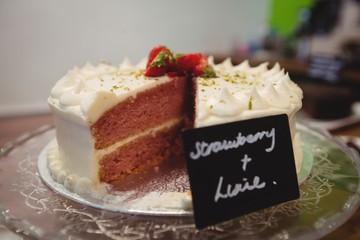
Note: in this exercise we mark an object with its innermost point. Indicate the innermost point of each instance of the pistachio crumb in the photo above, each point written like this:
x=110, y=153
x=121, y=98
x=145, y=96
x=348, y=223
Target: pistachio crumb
x=250, y=105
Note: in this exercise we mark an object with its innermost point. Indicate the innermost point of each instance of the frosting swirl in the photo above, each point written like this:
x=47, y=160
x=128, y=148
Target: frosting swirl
x=244, y=92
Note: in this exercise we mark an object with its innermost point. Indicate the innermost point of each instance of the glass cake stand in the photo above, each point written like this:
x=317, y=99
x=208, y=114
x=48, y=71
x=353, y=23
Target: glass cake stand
x=32, y=207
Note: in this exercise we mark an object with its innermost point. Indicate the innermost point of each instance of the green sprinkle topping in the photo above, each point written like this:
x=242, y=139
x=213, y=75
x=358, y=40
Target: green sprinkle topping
x=209, y=72
x=250, y=105
x=207, y=82
x=139, y=73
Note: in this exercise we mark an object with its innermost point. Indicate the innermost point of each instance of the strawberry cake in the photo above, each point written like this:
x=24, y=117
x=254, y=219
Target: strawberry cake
x=112, y=121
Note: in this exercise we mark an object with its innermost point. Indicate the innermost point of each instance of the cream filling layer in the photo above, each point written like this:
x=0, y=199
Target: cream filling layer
x=170, y=123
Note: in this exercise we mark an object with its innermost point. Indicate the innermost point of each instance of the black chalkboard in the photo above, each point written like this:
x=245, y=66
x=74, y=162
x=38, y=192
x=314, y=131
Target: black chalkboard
x=239, y=167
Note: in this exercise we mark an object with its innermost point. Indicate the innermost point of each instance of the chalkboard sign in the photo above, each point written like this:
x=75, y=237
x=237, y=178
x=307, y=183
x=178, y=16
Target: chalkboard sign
x=325, y=67
x=239, y=167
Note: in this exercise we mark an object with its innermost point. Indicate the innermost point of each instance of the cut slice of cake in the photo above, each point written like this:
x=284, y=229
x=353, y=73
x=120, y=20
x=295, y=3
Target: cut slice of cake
x=112, y=121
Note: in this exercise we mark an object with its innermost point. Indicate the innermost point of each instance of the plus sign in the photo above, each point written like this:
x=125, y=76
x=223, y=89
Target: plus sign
x=245, y=161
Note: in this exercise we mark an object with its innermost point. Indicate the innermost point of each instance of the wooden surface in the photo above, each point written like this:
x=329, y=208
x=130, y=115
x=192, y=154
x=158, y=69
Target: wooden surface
x=10, y=128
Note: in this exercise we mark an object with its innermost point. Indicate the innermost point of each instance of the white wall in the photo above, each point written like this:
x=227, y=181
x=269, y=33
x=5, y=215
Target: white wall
x=41, y=39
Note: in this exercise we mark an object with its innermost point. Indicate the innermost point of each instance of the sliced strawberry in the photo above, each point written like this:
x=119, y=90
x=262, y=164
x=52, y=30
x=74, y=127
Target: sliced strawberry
x=171, y=65
x=155, y=52
x=187, y=63
x=161, y=61
x=155, y=71
x=173, y=74
x=204, y=70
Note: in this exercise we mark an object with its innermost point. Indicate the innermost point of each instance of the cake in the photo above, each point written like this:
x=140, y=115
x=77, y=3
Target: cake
x=112, y=121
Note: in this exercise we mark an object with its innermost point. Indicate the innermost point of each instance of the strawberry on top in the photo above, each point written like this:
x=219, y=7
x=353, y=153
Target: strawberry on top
x=161, y=61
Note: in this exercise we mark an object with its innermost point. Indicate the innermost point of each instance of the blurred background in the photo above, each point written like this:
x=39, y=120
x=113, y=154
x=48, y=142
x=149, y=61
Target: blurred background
x=317, y=41
x=41, y=40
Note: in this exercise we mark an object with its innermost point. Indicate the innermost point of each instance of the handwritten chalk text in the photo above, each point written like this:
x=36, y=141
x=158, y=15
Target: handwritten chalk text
x=233, y=191
x=204, y=149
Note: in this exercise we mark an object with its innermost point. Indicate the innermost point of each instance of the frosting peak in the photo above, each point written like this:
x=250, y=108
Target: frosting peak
x=241, y=91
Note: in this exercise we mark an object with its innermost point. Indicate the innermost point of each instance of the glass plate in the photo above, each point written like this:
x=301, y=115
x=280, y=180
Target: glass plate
x=329, y=196
x=164, y=190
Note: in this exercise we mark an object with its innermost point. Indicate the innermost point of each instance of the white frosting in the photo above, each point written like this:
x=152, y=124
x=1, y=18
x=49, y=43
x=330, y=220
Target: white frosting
x=84, y=94
x=243, y=92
